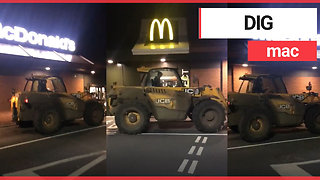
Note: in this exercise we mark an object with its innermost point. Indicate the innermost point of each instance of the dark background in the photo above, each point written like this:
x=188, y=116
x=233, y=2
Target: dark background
x=84, y=23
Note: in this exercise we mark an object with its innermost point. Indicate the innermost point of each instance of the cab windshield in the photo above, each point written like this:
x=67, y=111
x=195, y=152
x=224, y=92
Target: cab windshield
x=163, y=78
x=263, y=85
x=51, y=84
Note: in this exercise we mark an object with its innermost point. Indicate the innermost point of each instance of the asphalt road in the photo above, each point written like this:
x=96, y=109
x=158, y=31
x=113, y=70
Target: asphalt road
x=172, y=149
x=76, y=150
x=290, y=152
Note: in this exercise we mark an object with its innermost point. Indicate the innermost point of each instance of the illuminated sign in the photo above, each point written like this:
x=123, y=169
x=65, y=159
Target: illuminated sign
x=20, y=34
x=161, y=28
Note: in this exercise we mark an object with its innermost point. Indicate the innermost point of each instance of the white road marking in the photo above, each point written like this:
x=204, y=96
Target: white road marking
x=31, y=171
x=193, y=167
x=109, y=121
x=271, y=143
x=199, y=152
x=204, y=140
x=192, y=150
x=293, y=169
x=289, y=170
x=51, y=137
x=181, y=134
x=113, y=126
x=88, y=166
x=183, y=165
x=198, y=139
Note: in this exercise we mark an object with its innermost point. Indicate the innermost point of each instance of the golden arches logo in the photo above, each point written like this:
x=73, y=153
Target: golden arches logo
x=161, y=28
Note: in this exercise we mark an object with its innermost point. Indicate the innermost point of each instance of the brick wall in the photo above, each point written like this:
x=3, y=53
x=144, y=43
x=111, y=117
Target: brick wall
x=206, y=76
x=237, y=72
x=298, y=84
x=6, y=85
x=73, y=83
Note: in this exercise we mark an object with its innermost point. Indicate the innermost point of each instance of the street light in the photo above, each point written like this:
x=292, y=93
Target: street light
x=47, y=68
x=119, y=65
x=314, y=67
x=110, y=61
x=163, y=59
x=93, y=72
x=245, y=65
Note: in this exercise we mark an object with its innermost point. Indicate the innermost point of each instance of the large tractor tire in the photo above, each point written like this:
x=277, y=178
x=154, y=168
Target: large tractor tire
x=48, y=122
x=24, y=124
x=132, y=118
x=234, y=128
x=208, y=116
x=255, y=127
x=312, y=120
x=94, y=113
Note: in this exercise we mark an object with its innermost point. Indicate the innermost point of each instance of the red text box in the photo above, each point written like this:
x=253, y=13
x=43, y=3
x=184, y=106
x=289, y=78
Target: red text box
x=282, y=51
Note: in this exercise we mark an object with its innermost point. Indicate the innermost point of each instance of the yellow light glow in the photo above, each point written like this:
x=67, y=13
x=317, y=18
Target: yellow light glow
x=162, y=46
x=152, y=46
x=171, y=45
x=161, y=28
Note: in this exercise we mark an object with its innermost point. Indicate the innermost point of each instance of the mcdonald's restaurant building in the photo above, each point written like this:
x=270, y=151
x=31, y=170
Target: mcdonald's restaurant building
x=170, y=42
x=24, y=52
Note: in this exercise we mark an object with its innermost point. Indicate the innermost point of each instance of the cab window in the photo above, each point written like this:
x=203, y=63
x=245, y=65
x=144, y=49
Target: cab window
x=28, y=86
x=268, y=86
x=246, y=86
x=163, y=78
x=55, y=84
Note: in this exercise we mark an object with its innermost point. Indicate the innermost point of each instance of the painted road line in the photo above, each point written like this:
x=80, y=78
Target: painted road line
x=109, y=121
x=272, y=143
x=204, y=140
x=183, y=165
x=31, y=171
x=199, y=152
x=113, y=126
x=293, y=169
x=192, y=150
x=198, y=139
x=111, y=133
x=181, y=134
x=51, y=137
x=193, y=167
x=289, y=170
x=88, y=166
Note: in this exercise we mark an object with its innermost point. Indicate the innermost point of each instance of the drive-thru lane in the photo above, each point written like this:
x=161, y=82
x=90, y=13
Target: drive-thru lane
x=290, y=152
x=77, y=149
x=175, y=148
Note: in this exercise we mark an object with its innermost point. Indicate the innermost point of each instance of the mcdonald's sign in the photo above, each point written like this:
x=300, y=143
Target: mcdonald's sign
x=161, y=26
x=162, y=36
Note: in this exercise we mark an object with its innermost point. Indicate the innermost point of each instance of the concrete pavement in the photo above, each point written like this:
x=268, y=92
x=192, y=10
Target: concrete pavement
x=171, y=149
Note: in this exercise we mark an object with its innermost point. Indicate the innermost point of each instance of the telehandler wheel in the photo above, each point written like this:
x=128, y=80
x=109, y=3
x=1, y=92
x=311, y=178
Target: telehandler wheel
x=255, y=127
x=48, y=122
x=190, y=115
x=208, y=116
x=132, y=118
x=312, y=120
x=93, y=114
x=234, y=128
x=24, y=124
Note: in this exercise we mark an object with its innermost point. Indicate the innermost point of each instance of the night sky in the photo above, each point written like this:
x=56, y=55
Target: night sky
x=84, y=23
